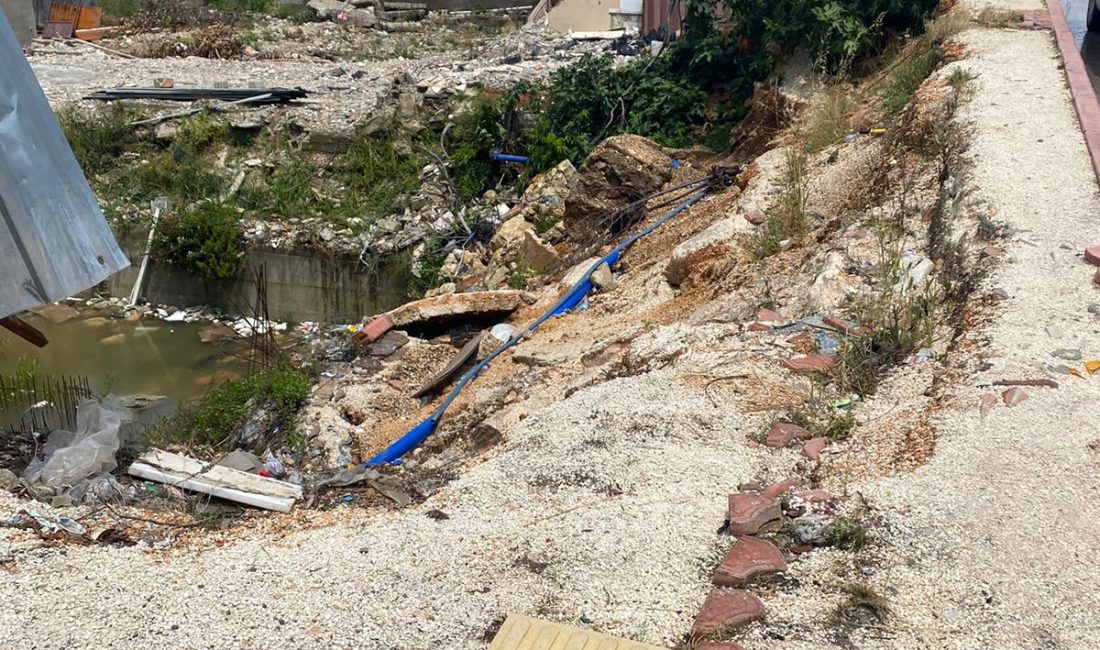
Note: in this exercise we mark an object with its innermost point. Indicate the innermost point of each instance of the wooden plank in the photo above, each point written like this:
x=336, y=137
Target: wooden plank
x=464, y=355
x=215, y=480
x=521, y=632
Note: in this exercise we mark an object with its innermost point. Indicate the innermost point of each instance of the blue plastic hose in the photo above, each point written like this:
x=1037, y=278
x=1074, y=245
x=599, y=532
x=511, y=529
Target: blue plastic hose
x=568, y=301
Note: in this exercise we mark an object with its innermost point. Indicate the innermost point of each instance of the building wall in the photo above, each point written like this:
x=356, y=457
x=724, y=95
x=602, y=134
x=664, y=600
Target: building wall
x=582, y=15
x=20, y=15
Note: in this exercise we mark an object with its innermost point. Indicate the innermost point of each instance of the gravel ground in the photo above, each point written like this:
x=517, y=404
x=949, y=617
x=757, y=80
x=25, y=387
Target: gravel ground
x=989, y=545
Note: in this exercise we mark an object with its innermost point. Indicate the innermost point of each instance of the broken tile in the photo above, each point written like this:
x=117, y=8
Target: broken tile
x=725, y=609
x=767, y=316
x=782, y=434
x=756, y=218
x=1014, y=396
x=748, y=558
x=778, y=489
x=749, y=512
x=987, y=402
x=813, y=448
x=1092, y=255
x=813, y=363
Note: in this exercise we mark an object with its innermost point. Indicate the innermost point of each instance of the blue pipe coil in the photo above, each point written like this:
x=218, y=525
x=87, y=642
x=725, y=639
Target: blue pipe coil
x=568, y=301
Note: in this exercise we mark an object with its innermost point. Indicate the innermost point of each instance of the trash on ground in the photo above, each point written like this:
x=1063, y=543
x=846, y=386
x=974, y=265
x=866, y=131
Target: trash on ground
x=195, y=93
x=64, y=528
x=1014, y=396
x=1045, y=383
x=71, y=457
x=387, y=486
x=467, y=352
x=216, y=480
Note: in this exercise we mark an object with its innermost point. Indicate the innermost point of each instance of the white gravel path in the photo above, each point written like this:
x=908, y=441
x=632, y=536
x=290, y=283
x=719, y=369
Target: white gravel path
x=993, y=543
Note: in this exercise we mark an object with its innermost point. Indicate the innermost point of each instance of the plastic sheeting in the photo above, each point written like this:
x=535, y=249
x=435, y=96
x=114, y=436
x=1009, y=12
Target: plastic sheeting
x=54, y=241
x=72, y=456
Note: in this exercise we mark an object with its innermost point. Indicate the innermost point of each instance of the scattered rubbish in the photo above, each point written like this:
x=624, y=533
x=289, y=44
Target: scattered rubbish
x=826, y=344
x=387, y=486
x=503, y=331
x=922, y=356
x=195, y=93
x=104, y=488
x=1092, y=366
x=918, y=269
x=987, y=402
x=1014, y=396
x=241, y=460
x=1063, y=369
x=216, y=480
x=72, y=456
x=520, y=632
x=1067, y=354
x=467, y=352
x=1046, y=383
x=842, y=403
x=47, y=528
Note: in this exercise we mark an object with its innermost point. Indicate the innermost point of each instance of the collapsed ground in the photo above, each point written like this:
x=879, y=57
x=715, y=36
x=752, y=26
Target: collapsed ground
x=585, y=476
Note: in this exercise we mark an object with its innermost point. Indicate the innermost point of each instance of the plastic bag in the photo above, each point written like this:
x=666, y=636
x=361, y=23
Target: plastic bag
x=74, y=456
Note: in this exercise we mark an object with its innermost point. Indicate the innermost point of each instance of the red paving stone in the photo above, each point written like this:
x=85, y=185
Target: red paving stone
x=756, y=218
x=749, y=512
x=725, y=609
x=1092, y=255
x=759, y=327
x=800, y=338
x=774, y=491
x=748, y=558
x=784, y=433
x=813, y=363
x=813, y=448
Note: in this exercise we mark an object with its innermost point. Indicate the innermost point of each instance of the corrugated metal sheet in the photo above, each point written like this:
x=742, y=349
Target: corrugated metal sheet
x=54, y=241
x=521, y=632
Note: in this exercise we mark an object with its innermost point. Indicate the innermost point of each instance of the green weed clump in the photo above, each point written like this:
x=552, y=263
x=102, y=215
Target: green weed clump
x=98, y=138
x=788, y=221
x=205, y=241
x=216, y=419
x=847, y=533
x=376, y=174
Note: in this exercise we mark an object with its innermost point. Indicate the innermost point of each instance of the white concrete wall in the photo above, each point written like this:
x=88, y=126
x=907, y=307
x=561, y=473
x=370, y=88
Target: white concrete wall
x=582, y=15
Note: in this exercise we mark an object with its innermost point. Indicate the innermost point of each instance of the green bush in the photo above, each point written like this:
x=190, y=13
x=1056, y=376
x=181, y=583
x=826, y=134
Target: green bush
x=98, y=138
x=376, y=174
x=206, y=241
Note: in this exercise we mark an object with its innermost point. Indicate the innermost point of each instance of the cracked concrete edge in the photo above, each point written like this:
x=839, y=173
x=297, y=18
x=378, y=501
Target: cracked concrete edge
x=1080, y=86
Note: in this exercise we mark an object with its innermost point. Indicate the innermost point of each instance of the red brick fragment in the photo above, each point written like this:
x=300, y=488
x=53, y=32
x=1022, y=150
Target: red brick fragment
x=725, y=609
x=774, y=491
x=748, y=558
x=767, y=316
x=749, y=512
x=813, y=448
x=784, y=433
x=759, y=327
x=756, y=217
x=800, y=338
x=374, y=329
x=813, y=363
x=837, y=323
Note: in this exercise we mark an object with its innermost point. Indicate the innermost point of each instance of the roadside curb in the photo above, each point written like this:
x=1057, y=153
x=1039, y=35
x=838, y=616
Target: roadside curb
x=1084, y=97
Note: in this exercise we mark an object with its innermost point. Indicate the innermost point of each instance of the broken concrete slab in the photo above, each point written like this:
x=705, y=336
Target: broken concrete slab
x=457, y=308
x=510, y=234
x=719, y=233
x=619, y=170
x=537, y=255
